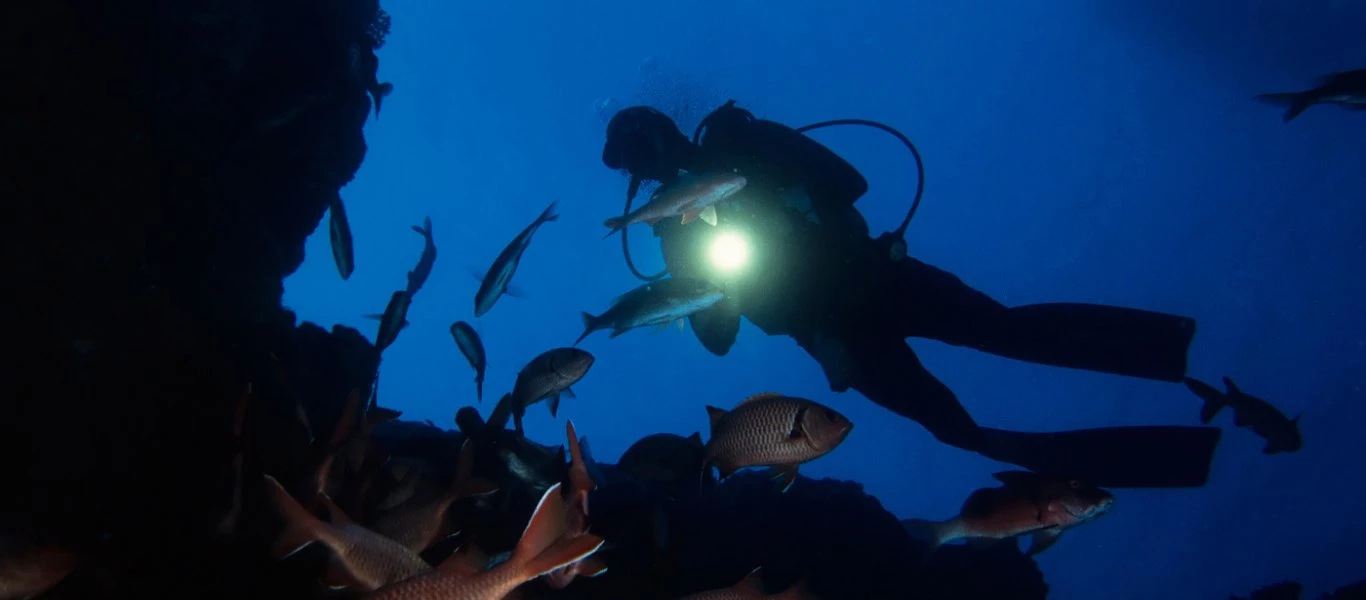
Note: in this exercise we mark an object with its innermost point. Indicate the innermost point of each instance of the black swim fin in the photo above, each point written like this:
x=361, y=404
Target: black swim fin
x=1114, y=457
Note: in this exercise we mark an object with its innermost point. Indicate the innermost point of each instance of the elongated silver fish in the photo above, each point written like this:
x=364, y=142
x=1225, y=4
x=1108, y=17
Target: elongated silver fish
x=419, y=274
x=495, y=282
x=467, y=339
x=394, y=319
x=658, y=303
x=339, y=234
x=691, y=197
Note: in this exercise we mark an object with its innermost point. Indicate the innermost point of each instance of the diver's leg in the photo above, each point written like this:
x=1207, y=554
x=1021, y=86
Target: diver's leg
x=886, y=371
x=1137, y=457
x=1110, y=339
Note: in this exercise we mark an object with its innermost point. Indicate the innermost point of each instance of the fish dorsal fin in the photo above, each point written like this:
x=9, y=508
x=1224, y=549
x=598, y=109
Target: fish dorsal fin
x=1232, y=387
x=758, y=397
x=716, y=415
x=696, y=437
x=579, y=480
x=1016, y=478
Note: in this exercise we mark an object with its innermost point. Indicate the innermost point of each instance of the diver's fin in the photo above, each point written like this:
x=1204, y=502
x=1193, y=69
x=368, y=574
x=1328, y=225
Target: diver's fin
x=708, y=215
x=1043, y=540
x=1295, y=103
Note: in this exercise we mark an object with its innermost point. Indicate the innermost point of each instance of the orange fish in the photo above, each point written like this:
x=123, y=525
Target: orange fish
x=773, y=430
x=546, y=545
x=752, y=587
x=361, y=559
x=418, y=527
x=1026, y=504
x=576, y=516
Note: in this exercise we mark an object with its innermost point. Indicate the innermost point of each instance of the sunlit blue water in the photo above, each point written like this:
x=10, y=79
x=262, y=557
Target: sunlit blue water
x=1077, y=151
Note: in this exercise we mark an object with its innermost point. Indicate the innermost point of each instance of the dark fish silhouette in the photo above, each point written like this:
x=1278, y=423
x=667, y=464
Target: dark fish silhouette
x=1347, y=89
x=467, y=339
x=546, y=377
x=1281, y=434
x=394, y=319
x=495, y=282
x=419, y=274
x=339, y=233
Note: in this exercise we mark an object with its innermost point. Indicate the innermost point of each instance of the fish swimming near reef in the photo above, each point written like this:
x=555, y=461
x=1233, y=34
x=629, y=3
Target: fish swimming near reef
x=339, y=234
x=1347, y=89
x=360, y=559
x=467, y=340
x=1281, y=434
x=546, y=377
x=394, y=320
x=773, y=430
x=1026, y=504
x=544, y=547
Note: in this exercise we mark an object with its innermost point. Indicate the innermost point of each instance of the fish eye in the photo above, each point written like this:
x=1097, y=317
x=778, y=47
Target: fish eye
x=1076, y=485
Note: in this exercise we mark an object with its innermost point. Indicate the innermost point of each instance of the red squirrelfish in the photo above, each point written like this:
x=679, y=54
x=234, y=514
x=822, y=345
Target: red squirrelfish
x=545, y=546
x=1026, y=504
x=773, y=430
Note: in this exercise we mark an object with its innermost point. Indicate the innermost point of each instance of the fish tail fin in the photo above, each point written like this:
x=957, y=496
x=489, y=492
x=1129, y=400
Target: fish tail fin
x=1214, y=401
x=498, y=419
x=549, y=213
x=301, y=527
x=425, y=229
x=579, y=480
x=545, y=546
x=1294, y=103
x=933, y=533
x=590, y=324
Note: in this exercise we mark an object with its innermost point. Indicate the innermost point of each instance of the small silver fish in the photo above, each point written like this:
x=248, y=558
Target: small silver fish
x=657, y=303
x=495, y=282
x=339, y=234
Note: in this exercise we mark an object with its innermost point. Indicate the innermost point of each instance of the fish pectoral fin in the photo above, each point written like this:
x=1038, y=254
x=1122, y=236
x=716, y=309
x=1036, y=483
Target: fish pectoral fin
x=784, y=476
x=708, y=215
x=1043, y=540
x=569, y=391
x=690, y=216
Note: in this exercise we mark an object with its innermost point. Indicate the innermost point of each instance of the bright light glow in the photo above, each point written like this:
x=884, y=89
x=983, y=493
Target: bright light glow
x=729, y=252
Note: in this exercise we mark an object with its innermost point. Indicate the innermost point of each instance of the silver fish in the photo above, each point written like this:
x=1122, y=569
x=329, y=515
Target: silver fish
x=467, y=339
x=658, y=303
x=495, y=282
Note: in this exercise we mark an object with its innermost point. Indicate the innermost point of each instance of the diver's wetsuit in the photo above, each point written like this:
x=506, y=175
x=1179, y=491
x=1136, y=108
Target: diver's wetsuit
x=816, y=276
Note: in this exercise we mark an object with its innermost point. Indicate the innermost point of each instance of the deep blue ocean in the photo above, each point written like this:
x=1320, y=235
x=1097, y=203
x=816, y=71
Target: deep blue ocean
x=1103, y=151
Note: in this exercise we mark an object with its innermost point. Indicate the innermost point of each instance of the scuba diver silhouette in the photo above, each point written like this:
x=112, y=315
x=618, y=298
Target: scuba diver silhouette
x=850, y=301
